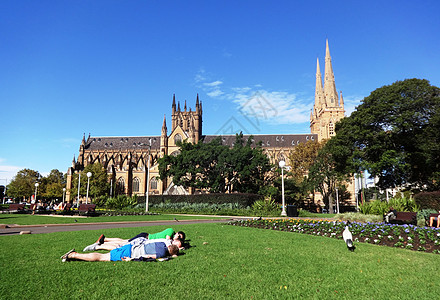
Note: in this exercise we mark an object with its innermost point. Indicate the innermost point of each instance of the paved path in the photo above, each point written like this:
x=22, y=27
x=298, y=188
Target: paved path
x=16, y=229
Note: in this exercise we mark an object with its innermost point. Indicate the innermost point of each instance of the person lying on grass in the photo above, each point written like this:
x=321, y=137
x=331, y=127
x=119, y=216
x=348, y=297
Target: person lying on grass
x=138, y=241
x=142, y=251
x=112, y=243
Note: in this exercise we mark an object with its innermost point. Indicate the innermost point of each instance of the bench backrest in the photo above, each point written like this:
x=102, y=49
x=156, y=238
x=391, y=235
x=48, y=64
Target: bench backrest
x=87, y=207
x=16, y=206
x=68, y=206
x=406, y=215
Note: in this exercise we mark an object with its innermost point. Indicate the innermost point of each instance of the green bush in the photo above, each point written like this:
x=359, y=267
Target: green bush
x=265, y=207
x=428, y=200
x=243, y=200
x=121, y=202
x=381, y=207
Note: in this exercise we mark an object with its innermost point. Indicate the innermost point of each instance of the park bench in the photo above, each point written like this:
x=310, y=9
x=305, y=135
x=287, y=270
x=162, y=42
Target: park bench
x=67, y=208
x=405, y=217
x=16, y=208
x=86, y=209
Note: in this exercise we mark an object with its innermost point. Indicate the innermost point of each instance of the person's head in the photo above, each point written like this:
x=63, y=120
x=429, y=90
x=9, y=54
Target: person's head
x=173, y=249
x=178, y=243
x=391, y=208
x=179, y=235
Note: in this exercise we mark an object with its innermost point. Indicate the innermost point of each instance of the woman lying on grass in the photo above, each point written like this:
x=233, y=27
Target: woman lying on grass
x=104, y=243
x=140, y=251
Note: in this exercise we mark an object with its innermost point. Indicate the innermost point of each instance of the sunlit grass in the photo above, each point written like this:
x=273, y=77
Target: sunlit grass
x=225, y=262
x=25, y=219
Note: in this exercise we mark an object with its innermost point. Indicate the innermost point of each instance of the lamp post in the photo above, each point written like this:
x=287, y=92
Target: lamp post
x=337, y=201
x=282, y=164
x=36, y=190
x=148, y=176
x=79, y=184
x=64, y=194
x=89, y=174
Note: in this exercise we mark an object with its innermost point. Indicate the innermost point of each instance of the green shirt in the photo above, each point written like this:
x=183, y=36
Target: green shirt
x=162, y=235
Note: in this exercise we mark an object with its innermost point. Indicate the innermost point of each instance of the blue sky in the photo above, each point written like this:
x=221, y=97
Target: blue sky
x=110, y=68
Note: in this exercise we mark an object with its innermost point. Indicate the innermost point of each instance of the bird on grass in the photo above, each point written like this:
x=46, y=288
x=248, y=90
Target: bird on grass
x=348, y=238
x=176, y=220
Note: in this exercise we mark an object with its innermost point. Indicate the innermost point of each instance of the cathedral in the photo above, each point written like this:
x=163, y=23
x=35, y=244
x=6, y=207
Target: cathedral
x=132, y=162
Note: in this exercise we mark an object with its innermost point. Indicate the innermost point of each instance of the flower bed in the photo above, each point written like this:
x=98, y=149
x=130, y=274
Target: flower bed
x=410, y=237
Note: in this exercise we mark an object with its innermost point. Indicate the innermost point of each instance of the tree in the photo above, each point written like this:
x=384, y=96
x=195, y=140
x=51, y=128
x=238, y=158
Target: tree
x=324, y=177
x=302, y=158
x=23, y=184
x=394, y=134
x=52, y=185
x=99, y=184
x=216, y=167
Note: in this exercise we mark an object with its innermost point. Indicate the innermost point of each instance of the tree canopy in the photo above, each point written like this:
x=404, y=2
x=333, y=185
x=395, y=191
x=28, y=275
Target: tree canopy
x=216, y=167
x=23, y=184
x=394, y=134
x=99, y=184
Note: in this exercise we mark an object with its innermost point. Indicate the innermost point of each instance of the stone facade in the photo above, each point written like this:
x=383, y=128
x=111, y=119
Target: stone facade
x=126, y=158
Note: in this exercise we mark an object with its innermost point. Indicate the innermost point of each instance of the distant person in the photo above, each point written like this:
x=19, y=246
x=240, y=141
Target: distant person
x=433, y=219
x=390, y=215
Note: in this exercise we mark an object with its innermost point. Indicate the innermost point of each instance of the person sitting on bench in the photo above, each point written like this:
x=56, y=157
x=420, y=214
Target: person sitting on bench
x=391, y=215
x=433, y=219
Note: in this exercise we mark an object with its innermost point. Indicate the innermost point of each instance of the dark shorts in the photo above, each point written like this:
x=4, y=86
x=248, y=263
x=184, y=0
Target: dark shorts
x=119, y=253
x=142, y=234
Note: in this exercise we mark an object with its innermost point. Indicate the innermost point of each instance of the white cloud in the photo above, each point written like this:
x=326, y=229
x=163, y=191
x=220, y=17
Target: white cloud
x=350, y=103
x=213, y=84
x=7, y=172
x=215, y=93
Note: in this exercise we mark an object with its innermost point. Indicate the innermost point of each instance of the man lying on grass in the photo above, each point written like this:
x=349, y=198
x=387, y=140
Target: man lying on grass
x=104, y=243
x=139, y=251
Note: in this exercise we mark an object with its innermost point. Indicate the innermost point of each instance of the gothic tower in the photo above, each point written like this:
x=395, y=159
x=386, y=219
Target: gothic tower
x=189, y=121
x=328, y=108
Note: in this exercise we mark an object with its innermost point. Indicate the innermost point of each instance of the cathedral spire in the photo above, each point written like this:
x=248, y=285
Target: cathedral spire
x=331, y=95
x=319, y=93
x=178, y=106
x=185, y=106
x=341, y=100
x=174, y=103
x=164, y=125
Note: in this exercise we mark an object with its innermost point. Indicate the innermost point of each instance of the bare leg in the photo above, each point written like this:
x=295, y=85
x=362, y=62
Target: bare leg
x=108, y=246
x=431, y=219
x=115, y=240
x=90, y=256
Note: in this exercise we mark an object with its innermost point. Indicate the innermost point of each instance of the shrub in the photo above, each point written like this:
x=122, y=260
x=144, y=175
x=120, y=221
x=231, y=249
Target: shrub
x=121, y=202
x=265, y=207
x=243, y=200
x=381, y=207
x=428, y=200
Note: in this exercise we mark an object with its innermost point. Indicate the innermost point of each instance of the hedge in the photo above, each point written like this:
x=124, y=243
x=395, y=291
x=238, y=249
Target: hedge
x=243, y=200
x=428, y=200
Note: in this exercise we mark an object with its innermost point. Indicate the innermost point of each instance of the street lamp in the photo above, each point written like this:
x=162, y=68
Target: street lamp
x=64, y=194
x=337, y=200
x=36, y=189
x=148, y=175
x=282, y=164
x=79, y=184
x=89, y=174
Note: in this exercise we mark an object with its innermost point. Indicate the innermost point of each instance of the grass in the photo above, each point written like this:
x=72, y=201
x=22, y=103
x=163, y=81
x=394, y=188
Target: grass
x=225, y=262
x=24, y=219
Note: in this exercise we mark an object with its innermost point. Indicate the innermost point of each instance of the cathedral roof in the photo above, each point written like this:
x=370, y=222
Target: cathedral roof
x=122, y=143
x=267, y=140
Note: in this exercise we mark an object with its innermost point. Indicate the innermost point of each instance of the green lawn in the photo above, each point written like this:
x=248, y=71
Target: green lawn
x=24, y=219
x=225, y=262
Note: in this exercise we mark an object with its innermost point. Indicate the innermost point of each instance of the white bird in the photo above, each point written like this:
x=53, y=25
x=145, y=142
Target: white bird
x=348, y=238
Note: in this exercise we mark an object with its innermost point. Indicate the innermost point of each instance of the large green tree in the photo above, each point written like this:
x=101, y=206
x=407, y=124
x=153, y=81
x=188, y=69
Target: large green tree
x=216, y=167
x=23, y=184
x=98, y=186
x=394, y=134
x=52, y=185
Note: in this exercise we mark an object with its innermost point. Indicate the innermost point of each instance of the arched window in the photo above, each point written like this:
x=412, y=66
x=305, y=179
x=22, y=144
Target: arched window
x=175, y=153
x=135, y=186
x=153, y=183
x=177, y=138
x=331, y=129
x=120, y=186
